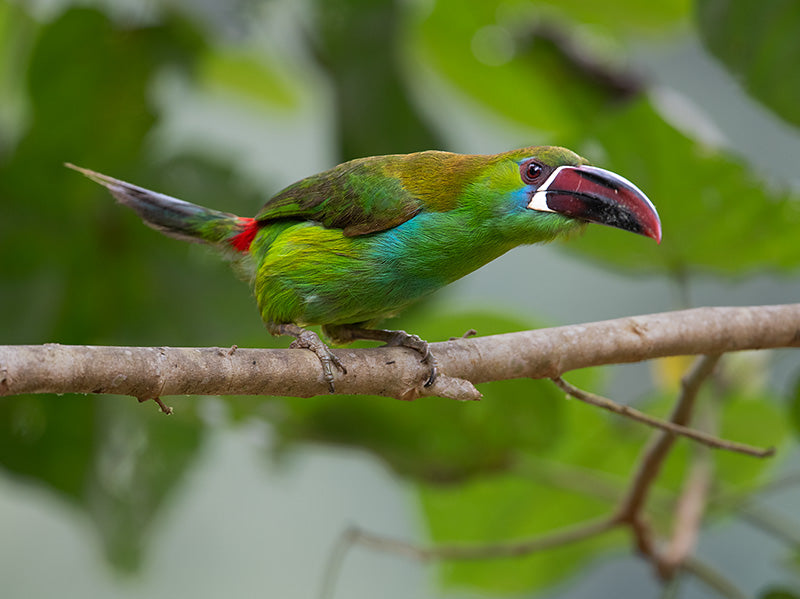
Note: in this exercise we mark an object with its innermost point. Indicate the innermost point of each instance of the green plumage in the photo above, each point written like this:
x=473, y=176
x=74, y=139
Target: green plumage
x=361, y=241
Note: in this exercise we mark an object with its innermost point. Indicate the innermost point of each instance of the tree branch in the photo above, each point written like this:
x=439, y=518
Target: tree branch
x=148, y=372
x=655, y=454
x=692, y=503
x=688, y=517
x=665, y=425
x=713, y=578
x=484, y=551
x=630, y=512
x=353, y=536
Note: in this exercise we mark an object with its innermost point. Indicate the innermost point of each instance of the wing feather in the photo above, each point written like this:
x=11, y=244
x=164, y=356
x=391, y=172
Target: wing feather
x=360, y=197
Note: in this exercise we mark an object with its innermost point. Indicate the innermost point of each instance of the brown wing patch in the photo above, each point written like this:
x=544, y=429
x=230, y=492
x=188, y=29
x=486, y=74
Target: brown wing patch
x=359, y=197
x=374, y=194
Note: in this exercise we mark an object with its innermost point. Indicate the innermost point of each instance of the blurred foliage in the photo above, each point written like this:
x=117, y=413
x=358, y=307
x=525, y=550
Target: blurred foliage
x=487, y=509
x=758, y=46
x=515, y=57
x=108, y=456
x=706, y=200
x=794, y=406
x=80, y=85
x=357, y=41
x=779, y=593
x=247, y=73
x=572, y=480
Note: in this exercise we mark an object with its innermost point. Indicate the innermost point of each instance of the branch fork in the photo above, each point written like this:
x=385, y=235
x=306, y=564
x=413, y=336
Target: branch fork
x=668, y=559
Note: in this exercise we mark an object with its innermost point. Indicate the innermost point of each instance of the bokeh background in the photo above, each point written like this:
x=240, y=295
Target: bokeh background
x=225, y=103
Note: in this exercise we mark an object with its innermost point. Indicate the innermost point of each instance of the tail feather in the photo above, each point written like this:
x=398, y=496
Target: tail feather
x=177, y=218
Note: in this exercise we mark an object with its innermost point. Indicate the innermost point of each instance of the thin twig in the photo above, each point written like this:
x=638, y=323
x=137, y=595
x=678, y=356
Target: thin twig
x=688, y=516
x=671, y=589
x=691, y=506
x=461, y=552
x=161, y=405
x=743, y=502
x=628, y=514
x=578, y=479
x=653, y=457
x=335, y=561
x=485, y=551
x=741, y=497
x=712, y=578
x=772, y=522
x=669, y=427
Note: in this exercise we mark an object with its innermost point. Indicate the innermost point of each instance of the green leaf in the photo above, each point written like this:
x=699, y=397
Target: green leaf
x=551, y=66
x=747, y=412
x=548, y=489
x=755, y=419
x=17, y=34
x=248, y=72
x=623, y=16
x=466, y=45
x=758, y=43
x=511, y=508
x=582, y=475
x=716, y=214
x=794, y=407
x=72, y=87
x=779, y=593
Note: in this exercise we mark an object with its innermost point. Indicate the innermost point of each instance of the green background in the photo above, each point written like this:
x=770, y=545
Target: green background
x=223, y=104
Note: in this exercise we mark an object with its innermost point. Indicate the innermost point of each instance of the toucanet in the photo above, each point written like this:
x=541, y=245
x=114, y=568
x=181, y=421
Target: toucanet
x=351, y=246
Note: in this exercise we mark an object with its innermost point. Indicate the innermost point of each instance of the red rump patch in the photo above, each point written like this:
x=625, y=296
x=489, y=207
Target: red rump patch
x=242, y=240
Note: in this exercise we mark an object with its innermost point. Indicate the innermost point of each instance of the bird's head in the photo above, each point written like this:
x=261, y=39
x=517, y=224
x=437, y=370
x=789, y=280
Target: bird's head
x=557, y=181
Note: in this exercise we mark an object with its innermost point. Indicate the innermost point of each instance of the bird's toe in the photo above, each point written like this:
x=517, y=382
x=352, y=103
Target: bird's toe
x=311, y=341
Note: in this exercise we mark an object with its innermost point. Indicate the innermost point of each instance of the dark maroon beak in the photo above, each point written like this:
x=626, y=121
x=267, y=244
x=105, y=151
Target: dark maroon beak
x=599, y=196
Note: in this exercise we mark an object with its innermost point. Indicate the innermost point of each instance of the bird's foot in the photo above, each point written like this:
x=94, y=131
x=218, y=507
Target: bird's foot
x=415, y=342
x=311, y=341
x=304, y=339
x=391, y=338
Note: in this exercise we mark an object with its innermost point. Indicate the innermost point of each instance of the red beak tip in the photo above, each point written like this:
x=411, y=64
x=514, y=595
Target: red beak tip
x=657, y=235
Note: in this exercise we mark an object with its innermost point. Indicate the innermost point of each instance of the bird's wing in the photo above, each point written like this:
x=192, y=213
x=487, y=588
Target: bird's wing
x=360, y=197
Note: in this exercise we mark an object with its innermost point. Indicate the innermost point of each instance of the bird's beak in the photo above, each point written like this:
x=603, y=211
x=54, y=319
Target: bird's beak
x=599, y=196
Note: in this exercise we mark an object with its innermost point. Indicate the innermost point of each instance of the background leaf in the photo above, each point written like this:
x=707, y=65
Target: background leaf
x=552, y=67
x=573, y=480
x=778, y=593
x=716, y=214
x=79, y=446
x=357, y=42
x=794, y=406
x=757, y=42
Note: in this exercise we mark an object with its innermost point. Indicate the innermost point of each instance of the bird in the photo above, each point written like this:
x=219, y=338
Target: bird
x=358, y=243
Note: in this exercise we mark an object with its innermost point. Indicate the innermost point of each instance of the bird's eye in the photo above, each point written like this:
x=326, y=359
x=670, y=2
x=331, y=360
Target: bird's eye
x=531, y=171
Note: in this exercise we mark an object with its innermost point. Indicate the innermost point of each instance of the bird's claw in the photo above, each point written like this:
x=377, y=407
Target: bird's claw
x=434, y=371
x=403, y=339
x=311, y=341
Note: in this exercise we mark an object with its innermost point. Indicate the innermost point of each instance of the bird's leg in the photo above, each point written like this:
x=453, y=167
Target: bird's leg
x=345, y=333
x=304, y=339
